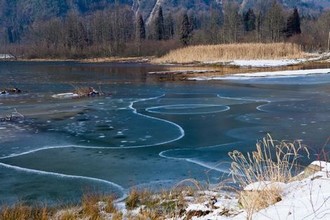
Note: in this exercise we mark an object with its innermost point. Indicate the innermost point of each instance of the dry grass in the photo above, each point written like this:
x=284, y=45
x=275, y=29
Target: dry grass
x=21, y=211
x=227, y=52
x=90, y=206
x=109, y=204
x=253, y=201
x=272, y=162
x=133, y=199
x=93, y=206
x=160, y=205
x=117, y=216
x=68, y=215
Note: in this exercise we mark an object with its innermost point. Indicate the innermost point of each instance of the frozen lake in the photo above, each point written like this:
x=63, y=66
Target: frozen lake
x=146, y=133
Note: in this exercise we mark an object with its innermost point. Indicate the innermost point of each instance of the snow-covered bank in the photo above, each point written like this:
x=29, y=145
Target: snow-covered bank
x=308, y=198
x=305, y=199
x=265, y=63
x=6, y=56
x=258, y=63
x=270, y=62
x=289, y=73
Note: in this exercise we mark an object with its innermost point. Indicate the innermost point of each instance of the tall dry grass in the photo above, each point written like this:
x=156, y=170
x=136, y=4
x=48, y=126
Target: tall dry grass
x=226, y=52
x=272, y=163
x=20, y=211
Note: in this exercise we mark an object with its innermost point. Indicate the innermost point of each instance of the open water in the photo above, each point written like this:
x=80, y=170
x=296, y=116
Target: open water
x=142, y=133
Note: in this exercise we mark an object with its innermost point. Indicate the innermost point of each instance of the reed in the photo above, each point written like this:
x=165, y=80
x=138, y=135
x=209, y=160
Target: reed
x=133, y=199
x=227, y=52
x=20, y=211
x=272, y=163
x=90, y=206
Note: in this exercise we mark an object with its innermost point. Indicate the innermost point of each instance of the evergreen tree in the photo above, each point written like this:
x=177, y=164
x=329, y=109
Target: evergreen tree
x=293, y=24
x=140, y=28
x=169, y=27
x=249, y=20
x=185, y=30
x=159, y=25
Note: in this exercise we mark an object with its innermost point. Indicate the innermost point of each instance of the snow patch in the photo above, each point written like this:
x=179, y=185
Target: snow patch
x=240, y=76
x=265, y=63
x=308, y=198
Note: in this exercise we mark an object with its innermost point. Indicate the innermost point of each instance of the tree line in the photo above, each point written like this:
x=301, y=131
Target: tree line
x=120, y=31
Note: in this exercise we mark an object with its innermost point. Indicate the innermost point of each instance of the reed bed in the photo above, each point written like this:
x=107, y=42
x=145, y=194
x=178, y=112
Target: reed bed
x=227, y=52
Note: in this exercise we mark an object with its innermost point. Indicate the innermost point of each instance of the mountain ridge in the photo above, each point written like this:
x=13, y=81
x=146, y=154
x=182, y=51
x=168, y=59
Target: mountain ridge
x=28, y=11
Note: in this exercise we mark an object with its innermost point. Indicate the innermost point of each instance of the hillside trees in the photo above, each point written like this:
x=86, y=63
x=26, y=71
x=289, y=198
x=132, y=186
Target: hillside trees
x=119, y=31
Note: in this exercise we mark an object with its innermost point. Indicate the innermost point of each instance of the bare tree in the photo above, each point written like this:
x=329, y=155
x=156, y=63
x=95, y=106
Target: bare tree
x=232, y=26
x=274, y=24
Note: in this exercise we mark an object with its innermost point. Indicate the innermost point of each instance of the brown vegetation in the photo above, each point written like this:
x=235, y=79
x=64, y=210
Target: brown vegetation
x=21, y=211
x=273, y=162
x=227, y=52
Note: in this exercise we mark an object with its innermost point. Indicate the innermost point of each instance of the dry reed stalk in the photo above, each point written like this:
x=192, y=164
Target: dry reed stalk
x=133, y=199
x=90, y=206
x=67, y=215
x=21, y=211
x=117, y=216
x=109, y=204
x=253, y=201
x=272, y=162
x=227, y=52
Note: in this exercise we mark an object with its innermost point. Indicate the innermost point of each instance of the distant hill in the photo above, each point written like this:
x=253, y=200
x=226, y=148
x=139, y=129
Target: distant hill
x=91, y=28
x=26, y=11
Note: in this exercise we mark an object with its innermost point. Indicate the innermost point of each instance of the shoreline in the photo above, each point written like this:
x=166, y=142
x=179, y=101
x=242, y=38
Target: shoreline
x=210, y=69
x=84, y=60
x=309, y=189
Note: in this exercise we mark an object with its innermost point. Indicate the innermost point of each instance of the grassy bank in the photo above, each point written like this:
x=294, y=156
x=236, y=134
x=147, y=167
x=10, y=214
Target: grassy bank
x=226, y=52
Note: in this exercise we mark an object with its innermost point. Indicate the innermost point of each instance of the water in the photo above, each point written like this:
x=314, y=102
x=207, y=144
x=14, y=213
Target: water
x=146, y=133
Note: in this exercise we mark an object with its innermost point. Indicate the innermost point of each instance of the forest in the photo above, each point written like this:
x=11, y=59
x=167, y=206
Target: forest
x=119, y=30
